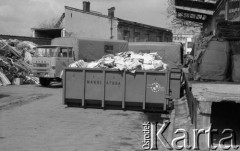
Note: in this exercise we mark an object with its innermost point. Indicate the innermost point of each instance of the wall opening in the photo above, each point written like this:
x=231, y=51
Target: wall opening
x=225, y=115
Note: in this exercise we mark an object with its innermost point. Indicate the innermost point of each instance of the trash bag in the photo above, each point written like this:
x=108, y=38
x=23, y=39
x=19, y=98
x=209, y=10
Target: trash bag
x=4, y=80
x=78, y=64
x=93, y=64
x=133, y=64
x=215, y=61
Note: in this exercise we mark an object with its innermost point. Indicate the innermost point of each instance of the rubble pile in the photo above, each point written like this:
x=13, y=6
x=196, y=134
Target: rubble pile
x=127, y=61
x=16, y=61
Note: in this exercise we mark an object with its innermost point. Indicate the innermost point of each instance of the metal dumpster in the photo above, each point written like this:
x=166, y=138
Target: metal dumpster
x=113, y=89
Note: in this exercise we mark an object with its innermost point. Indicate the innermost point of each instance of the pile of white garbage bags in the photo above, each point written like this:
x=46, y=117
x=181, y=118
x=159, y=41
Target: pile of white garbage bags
x=127, y=61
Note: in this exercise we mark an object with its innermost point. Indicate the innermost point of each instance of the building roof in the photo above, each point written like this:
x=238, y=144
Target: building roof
x=121, y=21
x=53, y=46
x=90, y=13
x=46, y=29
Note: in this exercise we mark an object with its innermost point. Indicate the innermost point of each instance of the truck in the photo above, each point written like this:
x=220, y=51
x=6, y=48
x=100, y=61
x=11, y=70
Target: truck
x=50, y=60
x=148, y=91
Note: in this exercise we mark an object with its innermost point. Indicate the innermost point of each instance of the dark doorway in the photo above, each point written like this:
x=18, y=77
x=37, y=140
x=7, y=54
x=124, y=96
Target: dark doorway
x=226, y=115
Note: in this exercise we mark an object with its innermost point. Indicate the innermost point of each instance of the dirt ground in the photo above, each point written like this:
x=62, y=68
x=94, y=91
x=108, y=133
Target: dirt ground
x=33, y=118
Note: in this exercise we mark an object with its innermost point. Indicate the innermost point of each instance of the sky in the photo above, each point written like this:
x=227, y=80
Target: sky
x=17, y=17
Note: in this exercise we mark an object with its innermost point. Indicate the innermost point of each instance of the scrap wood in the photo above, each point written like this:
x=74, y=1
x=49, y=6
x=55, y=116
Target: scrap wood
x=4, y=80
x=32, y=80
x=4, y=46
x=22, y=65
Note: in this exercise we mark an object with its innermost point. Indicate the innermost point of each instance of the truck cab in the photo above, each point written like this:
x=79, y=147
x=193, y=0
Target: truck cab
x=49, y=61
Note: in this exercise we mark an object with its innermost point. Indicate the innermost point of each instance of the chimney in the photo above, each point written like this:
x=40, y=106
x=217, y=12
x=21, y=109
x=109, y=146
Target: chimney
x=86, y=6
x=111, y=12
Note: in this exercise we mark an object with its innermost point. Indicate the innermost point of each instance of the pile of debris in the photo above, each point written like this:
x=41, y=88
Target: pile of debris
x=127, y=61
x=16, y=61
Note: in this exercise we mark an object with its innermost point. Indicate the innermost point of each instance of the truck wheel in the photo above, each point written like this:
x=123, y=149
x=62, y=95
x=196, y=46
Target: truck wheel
x=44, y=82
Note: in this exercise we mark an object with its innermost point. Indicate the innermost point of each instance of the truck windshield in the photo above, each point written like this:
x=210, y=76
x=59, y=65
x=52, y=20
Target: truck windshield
x=46, y=52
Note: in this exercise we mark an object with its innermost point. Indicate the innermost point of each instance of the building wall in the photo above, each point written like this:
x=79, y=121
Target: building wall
x=79, y=24
x=139, y=34
x=85, y=24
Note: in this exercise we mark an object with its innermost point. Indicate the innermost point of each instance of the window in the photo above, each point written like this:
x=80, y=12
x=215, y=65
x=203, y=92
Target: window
x=63, y=52
x=147, y=37
x=108, y=48
x=126, y=35
x=45, y=52
x=70, y=54
x=160, y=38
x=136, y=36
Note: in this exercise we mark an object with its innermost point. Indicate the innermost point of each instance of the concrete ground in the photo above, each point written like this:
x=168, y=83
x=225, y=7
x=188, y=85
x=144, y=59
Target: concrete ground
x=33, y=118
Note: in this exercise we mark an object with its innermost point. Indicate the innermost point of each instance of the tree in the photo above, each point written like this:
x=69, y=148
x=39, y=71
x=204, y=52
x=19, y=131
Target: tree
x=50, y=23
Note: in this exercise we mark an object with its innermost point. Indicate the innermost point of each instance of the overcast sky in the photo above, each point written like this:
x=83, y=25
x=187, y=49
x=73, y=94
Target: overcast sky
x=17, y=17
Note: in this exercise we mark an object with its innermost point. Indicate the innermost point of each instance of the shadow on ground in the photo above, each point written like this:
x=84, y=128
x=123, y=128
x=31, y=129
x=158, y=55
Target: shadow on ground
x=55, y=85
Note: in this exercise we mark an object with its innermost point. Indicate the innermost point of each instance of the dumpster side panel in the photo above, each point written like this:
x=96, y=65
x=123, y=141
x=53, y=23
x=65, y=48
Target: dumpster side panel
x=94, y=85
x=114, y=86
x=135, y=87
x=110, y=89
x=74, y=82
x=156, y=88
